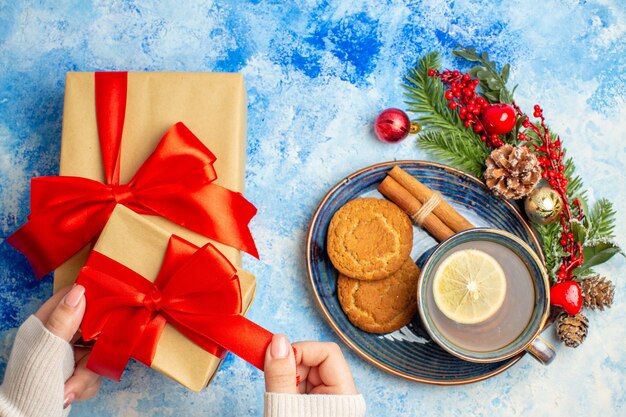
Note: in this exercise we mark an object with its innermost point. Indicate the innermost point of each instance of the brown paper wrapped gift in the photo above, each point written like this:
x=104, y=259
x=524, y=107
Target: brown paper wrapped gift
x=212, y=105
x=140, y=244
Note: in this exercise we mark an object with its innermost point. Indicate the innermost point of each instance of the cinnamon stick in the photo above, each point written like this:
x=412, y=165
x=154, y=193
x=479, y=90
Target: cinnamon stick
x=391, y=189
x=448, y=215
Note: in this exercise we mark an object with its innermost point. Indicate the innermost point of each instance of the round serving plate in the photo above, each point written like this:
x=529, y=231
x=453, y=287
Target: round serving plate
x=409, y=352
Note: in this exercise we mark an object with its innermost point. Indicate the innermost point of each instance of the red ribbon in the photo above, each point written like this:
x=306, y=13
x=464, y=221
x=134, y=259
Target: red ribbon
x=197, y=291
x=175, y=182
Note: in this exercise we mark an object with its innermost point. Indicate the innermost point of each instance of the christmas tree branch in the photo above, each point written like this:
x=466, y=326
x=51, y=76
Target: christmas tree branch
x=443, y=134
x=601, y=220
x=582, y=238
x=453, y=150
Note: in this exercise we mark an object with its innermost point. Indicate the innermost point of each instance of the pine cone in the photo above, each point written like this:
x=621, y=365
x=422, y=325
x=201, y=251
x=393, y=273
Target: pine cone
x=597, y=292
x=572, y=330
x=512, y=171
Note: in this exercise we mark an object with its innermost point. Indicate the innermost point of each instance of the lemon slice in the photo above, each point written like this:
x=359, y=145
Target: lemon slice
x=469, y=286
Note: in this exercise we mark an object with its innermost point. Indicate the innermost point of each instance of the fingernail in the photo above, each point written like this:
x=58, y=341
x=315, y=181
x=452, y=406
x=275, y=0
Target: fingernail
x=73, y=297
x=69, y=400
x=280, y=346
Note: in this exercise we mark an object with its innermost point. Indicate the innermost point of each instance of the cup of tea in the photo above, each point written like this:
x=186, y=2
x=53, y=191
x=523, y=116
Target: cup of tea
x=484, y=296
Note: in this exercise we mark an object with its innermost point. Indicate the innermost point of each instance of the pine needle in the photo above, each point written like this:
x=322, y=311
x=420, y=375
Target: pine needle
x=550, y=235
x=601, y=220
x=443, y=136
x=454, y=150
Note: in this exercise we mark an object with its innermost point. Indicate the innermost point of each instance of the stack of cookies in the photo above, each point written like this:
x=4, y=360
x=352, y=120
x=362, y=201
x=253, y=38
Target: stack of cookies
x=369, y=242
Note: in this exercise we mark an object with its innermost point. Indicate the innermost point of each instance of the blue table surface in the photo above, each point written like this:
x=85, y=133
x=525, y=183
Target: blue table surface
x=317, y=74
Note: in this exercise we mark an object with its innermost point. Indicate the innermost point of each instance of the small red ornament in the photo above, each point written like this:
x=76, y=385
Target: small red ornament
x=499, y=118
x=568, y=296
x=392, y=126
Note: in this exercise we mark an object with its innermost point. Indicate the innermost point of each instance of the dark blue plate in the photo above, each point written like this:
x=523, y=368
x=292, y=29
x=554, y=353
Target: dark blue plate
x=409, y=352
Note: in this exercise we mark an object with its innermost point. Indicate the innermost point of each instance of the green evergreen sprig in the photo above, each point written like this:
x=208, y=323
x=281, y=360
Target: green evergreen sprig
x=445, y=138
x=443, y=134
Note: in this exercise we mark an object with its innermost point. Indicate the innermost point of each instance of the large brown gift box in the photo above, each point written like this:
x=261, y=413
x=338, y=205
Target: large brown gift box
x=212, y=105
x=140, y=244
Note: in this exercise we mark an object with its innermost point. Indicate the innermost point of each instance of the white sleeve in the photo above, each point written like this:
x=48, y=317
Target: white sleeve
x=313, y=405
x=38, y=367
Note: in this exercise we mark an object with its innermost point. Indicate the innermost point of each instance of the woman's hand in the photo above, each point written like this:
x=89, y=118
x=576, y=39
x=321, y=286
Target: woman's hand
x=62, y=315
x=314, y=368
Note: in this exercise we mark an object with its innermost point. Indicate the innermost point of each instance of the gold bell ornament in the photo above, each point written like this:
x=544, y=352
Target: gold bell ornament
x=543, y=205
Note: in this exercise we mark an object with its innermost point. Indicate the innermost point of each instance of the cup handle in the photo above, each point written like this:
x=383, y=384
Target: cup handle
x=542, y=351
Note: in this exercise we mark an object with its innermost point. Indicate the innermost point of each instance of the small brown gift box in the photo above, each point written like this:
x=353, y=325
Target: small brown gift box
x=140, y=244
x=212, y=105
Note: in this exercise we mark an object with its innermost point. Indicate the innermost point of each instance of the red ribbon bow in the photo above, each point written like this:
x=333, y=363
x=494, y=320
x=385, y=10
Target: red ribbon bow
x=175, y=182
x=197, y=291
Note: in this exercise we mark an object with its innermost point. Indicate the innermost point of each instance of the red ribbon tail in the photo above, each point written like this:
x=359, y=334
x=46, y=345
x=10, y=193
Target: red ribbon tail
x=236, y=334
x=115, y=345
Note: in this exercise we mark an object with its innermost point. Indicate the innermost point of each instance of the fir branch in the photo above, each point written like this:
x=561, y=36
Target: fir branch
x=550, y=235
x=454, y=150
x=426, y=97
x=600, y=220
x=444, y=136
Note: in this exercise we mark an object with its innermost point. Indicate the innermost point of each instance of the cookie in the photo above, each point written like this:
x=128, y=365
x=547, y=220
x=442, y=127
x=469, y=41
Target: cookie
x=380, y=306
x=369, y=238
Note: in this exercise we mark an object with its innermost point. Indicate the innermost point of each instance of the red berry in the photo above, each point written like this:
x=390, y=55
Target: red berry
x=456, y=73
x=478, y=128
x=563, y=242
x=431, y=72
x=483, y=138
x=467, y=123
x=453, y=105
x=466, y=77
x=536, y=114
x=449, y=95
